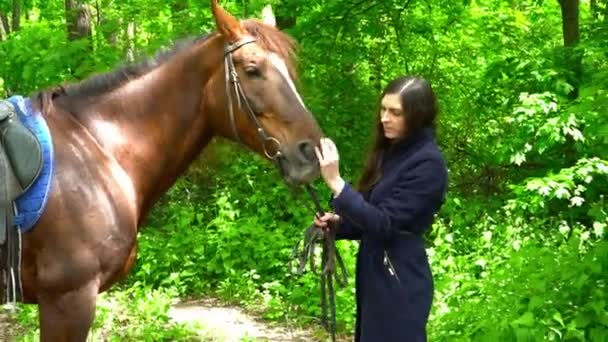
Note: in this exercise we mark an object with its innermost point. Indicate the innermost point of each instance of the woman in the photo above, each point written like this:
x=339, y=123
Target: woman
x=401, y=189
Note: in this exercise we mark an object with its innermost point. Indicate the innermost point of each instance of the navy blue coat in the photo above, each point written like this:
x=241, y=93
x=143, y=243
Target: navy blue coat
x=394, y=281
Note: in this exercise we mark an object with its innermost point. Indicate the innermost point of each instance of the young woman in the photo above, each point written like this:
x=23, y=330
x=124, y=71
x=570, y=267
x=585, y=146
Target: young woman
x=402, y=187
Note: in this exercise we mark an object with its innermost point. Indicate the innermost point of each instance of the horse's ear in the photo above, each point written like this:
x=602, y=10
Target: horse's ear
x=268, y=16
x=227, y=25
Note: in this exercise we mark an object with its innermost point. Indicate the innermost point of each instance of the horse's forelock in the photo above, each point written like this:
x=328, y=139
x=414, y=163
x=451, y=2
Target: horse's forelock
x=274, y=41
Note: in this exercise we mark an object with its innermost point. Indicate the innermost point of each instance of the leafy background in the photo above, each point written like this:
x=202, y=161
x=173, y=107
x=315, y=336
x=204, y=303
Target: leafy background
x=519, y=250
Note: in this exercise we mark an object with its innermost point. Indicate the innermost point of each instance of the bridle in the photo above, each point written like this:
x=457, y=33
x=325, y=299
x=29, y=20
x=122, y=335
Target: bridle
x=330, y=255
x=232, y=80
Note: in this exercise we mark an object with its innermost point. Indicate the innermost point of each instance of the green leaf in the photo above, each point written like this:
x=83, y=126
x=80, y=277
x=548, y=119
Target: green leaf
x=525, y=320
x=535, y=302
x=557, y=316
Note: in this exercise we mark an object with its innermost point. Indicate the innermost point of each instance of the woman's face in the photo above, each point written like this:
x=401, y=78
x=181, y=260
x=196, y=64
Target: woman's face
x=392, y=117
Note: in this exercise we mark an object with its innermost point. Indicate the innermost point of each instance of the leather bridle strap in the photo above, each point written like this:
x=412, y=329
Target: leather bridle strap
x=232, y=81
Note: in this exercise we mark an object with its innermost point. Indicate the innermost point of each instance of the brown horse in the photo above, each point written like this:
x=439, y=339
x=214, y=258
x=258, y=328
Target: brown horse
x=122, y=139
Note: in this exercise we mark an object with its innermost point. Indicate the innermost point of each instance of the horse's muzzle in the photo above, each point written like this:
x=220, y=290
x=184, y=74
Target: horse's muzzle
x=298, y=163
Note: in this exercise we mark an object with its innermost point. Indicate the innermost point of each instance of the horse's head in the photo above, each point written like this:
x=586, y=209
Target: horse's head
x=264, y=110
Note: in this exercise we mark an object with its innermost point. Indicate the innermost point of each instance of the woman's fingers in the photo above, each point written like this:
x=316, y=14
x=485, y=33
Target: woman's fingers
x=320, y=223
x=329, y=150
x=319, y=155
x=330, y=146
x=326, y=151
x=323, y=220
x=324, y=156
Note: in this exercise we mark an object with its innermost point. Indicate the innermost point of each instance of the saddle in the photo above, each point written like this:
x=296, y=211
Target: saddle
x=21, y=161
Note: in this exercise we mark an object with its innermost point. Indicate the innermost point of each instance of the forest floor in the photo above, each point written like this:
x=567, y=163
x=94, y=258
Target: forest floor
x=7, y=326
x=227, y=323
x=218, y=322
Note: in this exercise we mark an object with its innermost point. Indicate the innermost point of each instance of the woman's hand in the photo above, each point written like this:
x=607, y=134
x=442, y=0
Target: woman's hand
x=329, y=163
x=323, y=221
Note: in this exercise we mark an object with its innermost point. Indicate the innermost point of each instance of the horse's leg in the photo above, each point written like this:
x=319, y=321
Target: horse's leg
x=68, y=317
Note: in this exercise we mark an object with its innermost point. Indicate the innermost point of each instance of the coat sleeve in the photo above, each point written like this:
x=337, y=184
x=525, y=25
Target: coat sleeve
x=348, y=230
x=417, y=194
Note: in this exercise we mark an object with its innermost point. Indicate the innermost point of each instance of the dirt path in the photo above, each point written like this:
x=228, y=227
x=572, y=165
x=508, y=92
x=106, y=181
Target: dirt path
x=218, y=322
x=8, y=328
x=231, y=324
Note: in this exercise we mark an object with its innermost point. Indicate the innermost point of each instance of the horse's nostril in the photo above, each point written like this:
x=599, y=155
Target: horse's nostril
x=306, y=149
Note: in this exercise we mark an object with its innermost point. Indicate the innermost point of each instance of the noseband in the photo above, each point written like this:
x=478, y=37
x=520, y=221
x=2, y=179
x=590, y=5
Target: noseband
x=232, y=81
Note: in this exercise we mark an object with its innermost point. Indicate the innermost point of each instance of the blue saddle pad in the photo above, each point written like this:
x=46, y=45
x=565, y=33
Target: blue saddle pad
x=30, y=205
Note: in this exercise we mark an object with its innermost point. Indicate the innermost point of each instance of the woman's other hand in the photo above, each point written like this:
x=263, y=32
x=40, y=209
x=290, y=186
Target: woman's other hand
x=329, y=162
x=323, y=221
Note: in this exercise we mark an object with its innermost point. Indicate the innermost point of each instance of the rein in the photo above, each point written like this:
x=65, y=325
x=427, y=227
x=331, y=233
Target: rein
x=330, y=256
x=313, y=235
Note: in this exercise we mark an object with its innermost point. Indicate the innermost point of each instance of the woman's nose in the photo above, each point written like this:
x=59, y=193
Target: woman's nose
x=383, y=117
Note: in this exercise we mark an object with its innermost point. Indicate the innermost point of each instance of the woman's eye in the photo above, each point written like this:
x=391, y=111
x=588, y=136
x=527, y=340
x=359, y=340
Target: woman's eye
x=395, y=112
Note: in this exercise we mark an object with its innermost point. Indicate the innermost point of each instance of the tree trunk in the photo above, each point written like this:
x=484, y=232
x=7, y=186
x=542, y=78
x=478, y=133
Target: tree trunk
x=78, y=20
x=5, y=23
x=98, y=16
x=178, y=6
x=131, y=36
x=285, y=17
x=113, y=37
x=4, y=28
x=70, y=20
x=16, y=24
x=107, y=27
x=83, y=21
x=570, y=26
x=179, y=16
x=570, y=9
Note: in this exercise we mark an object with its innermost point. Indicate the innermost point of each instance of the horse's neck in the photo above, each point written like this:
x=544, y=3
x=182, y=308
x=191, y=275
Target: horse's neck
x=153, y=125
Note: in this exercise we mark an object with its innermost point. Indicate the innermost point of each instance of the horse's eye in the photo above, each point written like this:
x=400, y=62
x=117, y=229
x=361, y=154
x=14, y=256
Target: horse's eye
x=253, y=72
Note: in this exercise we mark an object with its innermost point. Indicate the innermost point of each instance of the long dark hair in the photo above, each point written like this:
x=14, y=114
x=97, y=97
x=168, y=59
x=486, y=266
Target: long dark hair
x=420, y=109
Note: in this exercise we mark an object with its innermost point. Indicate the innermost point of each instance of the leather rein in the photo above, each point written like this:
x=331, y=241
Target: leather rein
x=313, y=235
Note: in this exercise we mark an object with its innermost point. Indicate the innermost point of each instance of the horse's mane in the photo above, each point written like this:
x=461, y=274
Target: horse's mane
x=103, y=83
x=268, y=37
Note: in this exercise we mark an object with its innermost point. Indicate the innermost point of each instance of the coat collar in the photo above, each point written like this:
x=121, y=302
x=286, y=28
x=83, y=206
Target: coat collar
x=404, y=145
